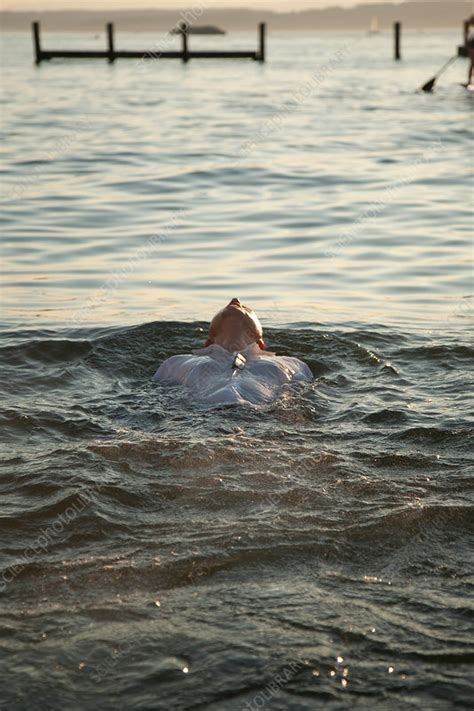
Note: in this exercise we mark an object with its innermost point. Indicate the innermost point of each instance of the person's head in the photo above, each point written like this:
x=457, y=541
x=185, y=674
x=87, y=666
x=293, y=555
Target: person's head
x=235, y=328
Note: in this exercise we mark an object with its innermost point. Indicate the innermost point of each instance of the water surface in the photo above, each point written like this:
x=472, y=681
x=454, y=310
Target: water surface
x=316, y=553
x=319, y=182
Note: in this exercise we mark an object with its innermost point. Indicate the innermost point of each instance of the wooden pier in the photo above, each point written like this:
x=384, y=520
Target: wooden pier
x=110, y=53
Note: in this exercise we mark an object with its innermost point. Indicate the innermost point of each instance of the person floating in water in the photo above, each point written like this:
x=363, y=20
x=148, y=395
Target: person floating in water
x=234, y=366
x=469, y=44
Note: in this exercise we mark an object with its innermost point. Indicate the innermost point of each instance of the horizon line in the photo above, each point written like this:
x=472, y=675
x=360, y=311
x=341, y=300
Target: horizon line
x=241, y=6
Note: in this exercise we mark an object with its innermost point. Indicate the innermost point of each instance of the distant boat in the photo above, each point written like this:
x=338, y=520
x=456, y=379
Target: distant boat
x=200, y=30
x=374, y=26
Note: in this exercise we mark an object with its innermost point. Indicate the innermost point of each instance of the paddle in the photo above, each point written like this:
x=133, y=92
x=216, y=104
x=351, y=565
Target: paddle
x=430, y=84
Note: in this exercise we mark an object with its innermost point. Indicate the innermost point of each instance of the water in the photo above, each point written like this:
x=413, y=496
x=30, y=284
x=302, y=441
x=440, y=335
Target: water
x=256, y=180
x=312, y=554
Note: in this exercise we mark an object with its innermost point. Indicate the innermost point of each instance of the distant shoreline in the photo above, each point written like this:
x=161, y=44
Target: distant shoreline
x=429, y=15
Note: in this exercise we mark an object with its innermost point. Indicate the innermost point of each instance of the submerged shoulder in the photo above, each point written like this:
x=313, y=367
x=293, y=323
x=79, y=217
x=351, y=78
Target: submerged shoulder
x=295, y=368
x=172, y=368
x=187, y=368
x=301, y=371
x=279, y=369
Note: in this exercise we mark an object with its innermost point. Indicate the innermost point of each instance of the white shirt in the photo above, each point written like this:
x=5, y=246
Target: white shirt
x=211, y=376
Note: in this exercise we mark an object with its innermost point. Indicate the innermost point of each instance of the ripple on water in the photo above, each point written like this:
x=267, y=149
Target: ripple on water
x=159, y=555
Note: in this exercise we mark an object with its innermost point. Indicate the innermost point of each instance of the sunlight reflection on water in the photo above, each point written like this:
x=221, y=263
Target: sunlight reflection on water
x=353, y=201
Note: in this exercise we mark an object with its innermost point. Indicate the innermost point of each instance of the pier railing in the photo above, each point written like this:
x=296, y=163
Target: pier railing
x=110, y=53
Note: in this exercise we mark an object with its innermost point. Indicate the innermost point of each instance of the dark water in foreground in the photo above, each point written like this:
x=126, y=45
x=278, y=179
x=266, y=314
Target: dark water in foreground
x=315, y=553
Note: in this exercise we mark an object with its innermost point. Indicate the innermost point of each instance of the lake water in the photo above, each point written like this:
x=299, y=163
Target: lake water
x=312, y=554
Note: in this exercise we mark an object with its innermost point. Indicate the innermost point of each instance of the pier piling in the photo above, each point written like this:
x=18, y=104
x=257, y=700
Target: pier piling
x=262, y=31
x=397, y=31
x=37, y=42
x=110, y=39
x=184, y=34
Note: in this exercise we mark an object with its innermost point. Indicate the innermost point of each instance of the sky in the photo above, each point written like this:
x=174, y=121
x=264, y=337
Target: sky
x=134, y=4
